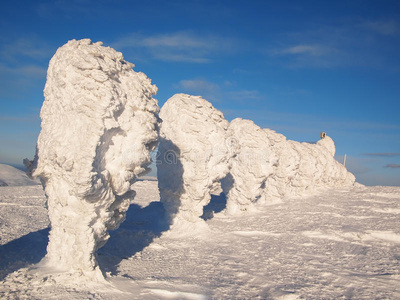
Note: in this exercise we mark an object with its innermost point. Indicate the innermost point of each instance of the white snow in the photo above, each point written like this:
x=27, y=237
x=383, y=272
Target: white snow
x=199, y=151
x=332, y=245
x=193, y=158
x=99, y=125
x=308, y=232
x=10, y=176
x=268, y=167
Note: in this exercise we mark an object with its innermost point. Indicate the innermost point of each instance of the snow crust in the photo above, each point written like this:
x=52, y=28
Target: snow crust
x=99, y=124
x=267, y=166
x=193, y=157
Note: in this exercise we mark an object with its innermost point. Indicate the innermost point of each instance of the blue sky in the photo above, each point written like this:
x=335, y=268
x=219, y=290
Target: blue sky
x=298, y=67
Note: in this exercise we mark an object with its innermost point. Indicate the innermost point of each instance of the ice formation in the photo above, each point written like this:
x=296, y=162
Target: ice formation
x=99, y=124
x=267, y=166
x=254, y=161
x=193, y=157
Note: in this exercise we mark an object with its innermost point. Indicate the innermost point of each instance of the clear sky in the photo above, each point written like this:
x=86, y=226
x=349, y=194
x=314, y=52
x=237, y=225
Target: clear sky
x=298, y=67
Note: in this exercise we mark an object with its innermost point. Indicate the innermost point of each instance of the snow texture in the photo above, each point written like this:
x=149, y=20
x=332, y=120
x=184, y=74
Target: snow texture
x=199, y=150
x=343, y=243
x=193, y=157
x=268, y=167
x=99, y=124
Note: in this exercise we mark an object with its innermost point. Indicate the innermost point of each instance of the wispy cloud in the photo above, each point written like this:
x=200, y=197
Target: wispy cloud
x=201, y=87
x=392, y=166
x=312, y=50
x=245, y=95
x=388, y=28
x=184, y=46
x=25, y=48
x=389, y=154
x=347, y=43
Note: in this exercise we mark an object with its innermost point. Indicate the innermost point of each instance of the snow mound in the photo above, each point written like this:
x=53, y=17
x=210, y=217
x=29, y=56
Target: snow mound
x=267, y=166
x=99, y=124
x=10, y=176
x=193, y=157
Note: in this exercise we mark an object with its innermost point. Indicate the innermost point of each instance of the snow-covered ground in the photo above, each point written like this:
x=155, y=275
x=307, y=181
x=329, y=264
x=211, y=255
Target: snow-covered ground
x=341, y=243
x=10, y=176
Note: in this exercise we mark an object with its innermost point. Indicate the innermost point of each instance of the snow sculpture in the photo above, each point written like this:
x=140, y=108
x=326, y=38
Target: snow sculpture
x=303, y=168
x=193, y=158
x=99, y=125
x=267, y=167
x=253, y=163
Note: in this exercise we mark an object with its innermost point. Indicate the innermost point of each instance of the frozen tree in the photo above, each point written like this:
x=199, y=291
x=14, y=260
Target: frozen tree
x=254, y=161
x=193, y=158
x=267, y=166
x=99, y=124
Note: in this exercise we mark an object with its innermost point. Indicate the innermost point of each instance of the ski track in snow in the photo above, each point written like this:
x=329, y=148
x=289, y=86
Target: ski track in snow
x=337, y=244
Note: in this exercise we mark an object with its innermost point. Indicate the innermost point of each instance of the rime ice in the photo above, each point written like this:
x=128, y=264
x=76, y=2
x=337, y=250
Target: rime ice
x=200, y=151
x=267, y=167
x=194, y=157
x=99, y=125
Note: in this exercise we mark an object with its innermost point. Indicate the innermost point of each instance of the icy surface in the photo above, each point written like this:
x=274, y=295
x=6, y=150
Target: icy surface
x=99, y=125
x=193, y=157
x=267, y=167
x=338, y=244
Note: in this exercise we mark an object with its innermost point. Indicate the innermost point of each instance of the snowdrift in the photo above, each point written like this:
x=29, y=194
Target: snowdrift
x=99, y=124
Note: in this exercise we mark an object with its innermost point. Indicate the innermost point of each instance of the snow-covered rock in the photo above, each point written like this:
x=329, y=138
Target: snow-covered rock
x=10, y=176
x=267, y=166
x=193, y=157
x=99, y=124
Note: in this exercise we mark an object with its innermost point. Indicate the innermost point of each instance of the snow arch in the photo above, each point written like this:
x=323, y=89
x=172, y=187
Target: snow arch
x=193, y=157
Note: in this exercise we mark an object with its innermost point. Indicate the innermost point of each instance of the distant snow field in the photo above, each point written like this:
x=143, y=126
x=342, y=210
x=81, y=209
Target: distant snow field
x=10, y=176
x=340, y=243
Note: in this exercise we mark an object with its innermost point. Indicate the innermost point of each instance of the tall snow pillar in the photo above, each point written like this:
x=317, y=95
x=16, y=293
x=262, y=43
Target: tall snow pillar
x=99, y=125
x=193, y=158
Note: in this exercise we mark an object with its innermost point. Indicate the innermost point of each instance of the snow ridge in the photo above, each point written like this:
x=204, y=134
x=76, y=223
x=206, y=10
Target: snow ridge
x=99, y=124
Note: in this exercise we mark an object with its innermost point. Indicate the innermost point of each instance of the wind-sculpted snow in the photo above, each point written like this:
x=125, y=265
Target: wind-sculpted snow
x=254, y=161
x=267, y=166
x=99, y=125
x=199, y=150
x=193, y=157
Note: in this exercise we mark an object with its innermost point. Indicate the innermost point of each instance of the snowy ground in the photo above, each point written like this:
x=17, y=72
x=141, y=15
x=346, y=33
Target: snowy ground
x=339, y=244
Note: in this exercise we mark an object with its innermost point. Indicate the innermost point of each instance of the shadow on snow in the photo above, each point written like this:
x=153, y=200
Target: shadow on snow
x=141, y=226
x=22, y=252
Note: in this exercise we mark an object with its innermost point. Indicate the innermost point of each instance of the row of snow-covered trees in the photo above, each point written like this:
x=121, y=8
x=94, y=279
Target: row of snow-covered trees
x=99, y=124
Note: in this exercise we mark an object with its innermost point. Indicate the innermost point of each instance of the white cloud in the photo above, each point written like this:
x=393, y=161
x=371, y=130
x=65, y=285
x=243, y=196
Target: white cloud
x=178, y=46
x=309, y=55
x=313, y=50
x=383, y=27
x=200, y=87
x=25, y=48
x=27, y=71
x=245, y=95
